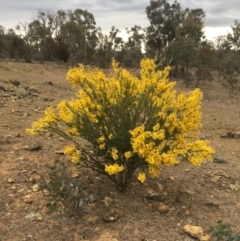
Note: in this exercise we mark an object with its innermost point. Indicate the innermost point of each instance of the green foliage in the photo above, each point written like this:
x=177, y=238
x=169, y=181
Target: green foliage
x=227, y=63
x=169, y=22
x=63, y=188
x=223, y=232
x=164, y=19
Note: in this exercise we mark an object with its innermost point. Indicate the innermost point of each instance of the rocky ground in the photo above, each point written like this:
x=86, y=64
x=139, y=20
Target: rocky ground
x=179, y=205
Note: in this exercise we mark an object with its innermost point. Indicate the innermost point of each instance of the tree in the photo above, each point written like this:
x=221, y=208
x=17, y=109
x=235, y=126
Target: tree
x=60, y=50
x=164, y=19
x=30, y=45
x=184, y=47
x=234, y=37
x=205, y=61
x=192, y=26
x=2, y=44
x=108, y=46
x=132, y=49
x=228, y=62
x=15, y=45
x=102, y=54
x=78, y=33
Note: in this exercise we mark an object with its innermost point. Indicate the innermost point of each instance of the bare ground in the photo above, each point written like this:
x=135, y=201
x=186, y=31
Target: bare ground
x=193, y=195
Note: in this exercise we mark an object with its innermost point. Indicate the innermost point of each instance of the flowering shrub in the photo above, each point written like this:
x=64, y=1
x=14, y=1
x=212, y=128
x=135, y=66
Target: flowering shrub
x=132, y=124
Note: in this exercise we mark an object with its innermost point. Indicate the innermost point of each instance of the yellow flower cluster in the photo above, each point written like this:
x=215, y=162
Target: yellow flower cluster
x=101, y=141
x=46, y=123
x=114, y=153
x=73, y=152
x=113, y=169
x=141, y=177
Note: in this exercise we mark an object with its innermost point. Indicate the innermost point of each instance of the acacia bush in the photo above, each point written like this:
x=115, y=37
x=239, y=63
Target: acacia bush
x=133, y=125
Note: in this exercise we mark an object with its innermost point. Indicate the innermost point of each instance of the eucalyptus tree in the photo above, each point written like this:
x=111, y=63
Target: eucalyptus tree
x=173, y=29
x=164, y=18
x=133, y=48
x=2, y=41
x=78, y=32
x=184, y=48
x=30, y=46
x=234, y=37
x=43, y=29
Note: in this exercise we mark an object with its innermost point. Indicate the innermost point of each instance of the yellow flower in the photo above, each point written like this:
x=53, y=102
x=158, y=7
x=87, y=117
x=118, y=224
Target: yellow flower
x=102, y=146
x=114, y=153
x=141, y=177
x=113, y=169
x=127, y=154
x=73, y=152
x=101, y=139
x=49, y=120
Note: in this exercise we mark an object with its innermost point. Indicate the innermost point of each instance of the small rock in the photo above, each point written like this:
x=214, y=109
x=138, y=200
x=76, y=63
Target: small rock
x=46, y=192
x=215, y=178
x=34, y=147
x=40, y=207
x=107, y=201
x=34, y=216
x=48, y=99
x=187, y=170
x=155, y=196
x=212, y=203
x=219, y=160
x=39, y=219
x=187, y=191
x=31, y=179
x=49, y=83
x=205, y=238
x=112, y=216
x=10, y=180
x=60, y=152
x=162, y=208
x=33, y=171
x=193, y=231
x=35, y=187
x=37, y=177
x=237, y=134
x=28, y=199
x=75, y=175
x=171, y=178
x=21, y=190
x=105, y=236
x=15, y=82
x=234, y=187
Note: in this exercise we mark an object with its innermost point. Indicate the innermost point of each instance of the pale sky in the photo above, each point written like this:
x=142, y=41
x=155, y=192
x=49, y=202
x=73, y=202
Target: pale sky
x=220, y=14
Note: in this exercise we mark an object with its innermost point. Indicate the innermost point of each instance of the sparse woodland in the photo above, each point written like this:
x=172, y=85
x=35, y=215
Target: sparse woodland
x=175, y=36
